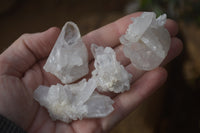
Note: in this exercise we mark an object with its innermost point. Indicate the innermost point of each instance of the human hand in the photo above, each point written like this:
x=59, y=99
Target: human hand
x=22, y=72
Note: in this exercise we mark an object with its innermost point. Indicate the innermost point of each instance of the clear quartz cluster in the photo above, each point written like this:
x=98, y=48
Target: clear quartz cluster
x=146, y=41
x=68, y=59
x=109, y=74
x=75, y=101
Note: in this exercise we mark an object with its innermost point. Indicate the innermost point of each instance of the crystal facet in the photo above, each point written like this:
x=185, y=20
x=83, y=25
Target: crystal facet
x=68, y=59
x=146, y=41
x=109, y=74
x=73, y=102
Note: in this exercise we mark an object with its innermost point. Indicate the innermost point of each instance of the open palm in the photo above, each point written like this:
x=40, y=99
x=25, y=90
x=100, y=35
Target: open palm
x=21, y=72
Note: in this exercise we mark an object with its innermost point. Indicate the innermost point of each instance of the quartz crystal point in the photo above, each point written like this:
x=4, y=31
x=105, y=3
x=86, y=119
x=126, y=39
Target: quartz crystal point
x=68, y=59
x=108, y=73
x=146, y=41
x=73, y=102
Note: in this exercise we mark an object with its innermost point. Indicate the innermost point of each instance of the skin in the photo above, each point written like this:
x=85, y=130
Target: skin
x=22, y=72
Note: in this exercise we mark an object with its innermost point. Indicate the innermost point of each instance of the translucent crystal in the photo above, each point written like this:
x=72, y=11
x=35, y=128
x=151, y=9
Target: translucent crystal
x=68, y=59
x=146, y=41
x=99, y=106
x=73, y=102
x=108, y=73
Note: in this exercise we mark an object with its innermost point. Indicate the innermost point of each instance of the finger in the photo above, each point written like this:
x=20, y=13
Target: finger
x=128, y=101
x=26, y=51
x=120, y=55
x=109, y=35
x=136, y=73
x=172, y=27
x=175, y=49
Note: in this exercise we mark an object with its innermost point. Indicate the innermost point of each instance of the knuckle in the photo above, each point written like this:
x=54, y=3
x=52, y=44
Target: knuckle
x=24, y=36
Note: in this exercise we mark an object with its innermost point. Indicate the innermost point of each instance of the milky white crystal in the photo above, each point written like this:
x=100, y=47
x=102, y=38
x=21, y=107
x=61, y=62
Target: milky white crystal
x=146, y=41
x=109, y=74
x=73, y=102
x=68, y=59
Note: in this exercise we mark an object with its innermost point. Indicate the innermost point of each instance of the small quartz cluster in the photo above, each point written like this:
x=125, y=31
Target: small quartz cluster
x=68, y=59
x=109, y=74
x=74, y=101
x=146, y=41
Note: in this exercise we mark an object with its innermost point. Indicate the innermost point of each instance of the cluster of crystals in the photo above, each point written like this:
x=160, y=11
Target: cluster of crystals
x=68, y=59
x=74, y=101
x=109, y=74
x=146, y=41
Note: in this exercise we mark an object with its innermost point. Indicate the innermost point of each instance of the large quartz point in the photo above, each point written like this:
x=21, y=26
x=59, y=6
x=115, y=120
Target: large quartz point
x=109, y=74
x=146, y=41
x=73, y=102
x=68, y=59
